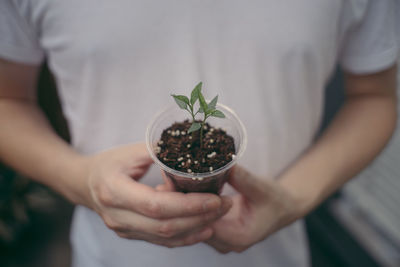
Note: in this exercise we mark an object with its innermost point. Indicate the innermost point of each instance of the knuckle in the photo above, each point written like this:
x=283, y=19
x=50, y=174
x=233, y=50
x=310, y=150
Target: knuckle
x=105, y=196
x=166, y=230
x=153, y=209
x=122, y=235
x=111, y=223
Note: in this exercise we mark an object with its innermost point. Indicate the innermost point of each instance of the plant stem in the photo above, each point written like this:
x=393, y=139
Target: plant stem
x=201, y=131
x=201, y=135
x=191, y=112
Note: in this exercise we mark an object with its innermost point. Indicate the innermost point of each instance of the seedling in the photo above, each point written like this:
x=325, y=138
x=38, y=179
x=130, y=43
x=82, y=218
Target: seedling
x=208, y=110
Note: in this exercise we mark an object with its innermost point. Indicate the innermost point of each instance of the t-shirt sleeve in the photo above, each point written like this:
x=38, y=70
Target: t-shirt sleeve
x=18, y=39
x=371, y=44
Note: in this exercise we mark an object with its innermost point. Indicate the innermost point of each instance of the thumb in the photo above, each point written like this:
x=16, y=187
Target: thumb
x=163, y=188
x=247, y=183
x=142, y=156
x=168, y=184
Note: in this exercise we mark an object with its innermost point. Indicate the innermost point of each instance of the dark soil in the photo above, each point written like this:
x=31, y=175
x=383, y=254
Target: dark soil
x=181, y=151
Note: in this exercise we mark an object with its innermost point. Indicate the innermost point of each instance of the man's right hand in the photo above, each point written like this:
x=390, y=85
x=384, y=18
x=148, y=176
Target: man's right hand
x=136, y=211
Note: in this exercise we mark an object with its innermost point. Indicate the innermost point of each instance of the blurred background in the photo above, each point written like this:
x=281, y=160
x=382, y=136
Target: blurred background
x=357, y=226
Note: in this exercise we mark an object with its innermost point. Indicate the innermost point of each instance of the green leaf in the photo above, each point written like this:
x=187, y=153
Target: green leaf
x=203, y=103
x=194, y=127
x=195, y=93
x=217, y=113
x=213, y=103
x=181, y=100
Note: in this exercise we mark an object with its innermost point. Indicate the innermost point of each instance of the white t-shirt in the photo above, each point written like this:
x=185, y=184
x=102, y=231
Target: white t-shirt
x=116, y=63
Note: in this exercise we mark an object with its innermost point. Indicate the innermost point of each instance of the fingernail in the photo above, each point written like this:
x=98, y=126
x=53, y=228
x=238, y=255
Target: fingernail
x=211, y=204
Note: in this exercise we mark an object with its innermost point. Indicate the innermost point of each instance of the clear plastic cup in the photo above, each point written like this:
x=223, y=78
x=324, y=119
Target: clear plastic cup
x=210, y=182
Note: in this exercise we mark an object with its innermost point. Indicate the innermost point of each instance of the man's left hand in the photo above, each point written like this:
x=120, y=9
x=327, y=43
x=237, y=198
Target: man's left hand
x=261, y=208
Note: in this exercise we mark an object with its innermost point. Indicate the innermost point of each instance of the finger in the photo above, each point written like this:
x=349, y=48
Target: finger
x=179, y=226
x=226, y=205
x=139, y=162
x=188, y=240
x=155, y=204
x=223, y=247
x=169, y=184
x=139, y=226
x=218, y=246
x=162, y=188
x=141, y=155
x=137, y=172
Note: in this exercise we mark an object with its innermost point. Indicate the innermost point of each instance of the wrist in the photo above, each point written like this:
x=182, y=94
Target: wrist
x=302, y=201
x=73, y=180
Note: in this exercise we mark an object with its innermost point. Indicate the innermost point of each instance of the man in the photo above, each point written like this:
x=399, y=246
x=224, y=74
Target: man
x=116, y=62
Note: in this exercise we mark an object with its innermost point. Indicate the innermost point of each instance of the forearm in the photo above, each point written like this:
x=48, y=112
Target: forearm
x=358, y=133
x=30, y=146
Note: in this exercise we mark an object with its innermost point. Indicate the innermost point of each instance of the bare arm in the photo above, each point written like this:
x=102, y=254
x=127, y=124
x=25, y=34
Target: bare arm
x=358, y=133
x=27, y=140
x=105, y=182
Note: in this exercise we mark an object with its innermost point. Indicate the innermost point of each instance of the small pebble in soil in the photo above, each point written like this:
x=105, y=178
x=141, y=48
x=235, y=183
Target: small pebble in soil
x=160, y=142
x=169, y=131
x=183, y=133
x=180, y=158
x=189, y=161
x=212, y=130
x=205, y=127
x=212, y=154
x=211, y=169
x=177, y=133
x=158, y=149
x=189, y=170
x=190, y=137
x=195, y=162
x=233, y=156
x=200, y=178
x=165, y=159
x=188, y=146
x=211, y=141
x=187, y=155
